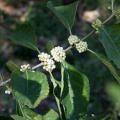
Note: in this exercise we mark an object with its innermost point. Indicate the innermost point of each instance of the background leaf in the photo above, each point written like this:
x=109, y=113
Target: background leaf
x=66, y=14
x=108, y=64
x=113, y=91
x=76, y=93
x=30, y=89
x=24, y=35
x=110, y=38
x=12, y=67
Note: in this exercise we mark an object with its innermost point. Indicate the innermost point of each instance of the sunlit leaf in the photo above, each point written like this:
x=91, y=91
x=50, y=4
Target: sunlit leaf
x=51, y=115
x=16, y=117
x=30, y=88
x=76, y=93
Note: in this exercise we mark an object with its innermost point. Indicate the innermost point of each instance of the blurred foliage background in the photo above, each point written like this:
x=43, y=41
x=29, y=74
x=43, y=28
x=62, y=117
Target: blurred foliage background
x=50, y=32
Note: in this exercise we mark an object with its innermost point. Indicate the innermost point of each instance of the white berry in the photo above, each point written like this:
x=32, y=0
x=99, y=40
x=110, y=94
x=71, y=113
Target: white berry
x=81, y=46
x=46, y=61
x=58, y=54
x=49, y=65
x=73, y=39
x=43, y=57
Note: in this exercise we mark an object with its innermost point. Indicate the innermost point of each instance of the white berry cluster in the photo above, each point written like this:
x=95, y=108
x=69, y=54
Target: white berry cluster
x=7, y=92
x=46, y=61
x=73, y=39
x=81, y=46
x=58, y=54
x=25, y=67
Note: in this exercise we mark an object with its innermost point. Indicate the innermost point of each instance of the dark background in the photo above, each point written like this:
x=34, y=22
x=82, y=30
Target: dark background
x=50, y=32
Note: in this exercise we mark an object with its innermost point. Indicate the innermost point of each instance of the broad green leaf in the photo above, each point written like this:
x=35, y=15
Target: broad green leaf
x=51, y=115
x=24, y=35
x=30, y=88
x=66, y=14
x=16, y=117
x=76, y=93
x=107, y=63
x=113, y=91
x=110, y=38
x=29, y=114
x=12, y=66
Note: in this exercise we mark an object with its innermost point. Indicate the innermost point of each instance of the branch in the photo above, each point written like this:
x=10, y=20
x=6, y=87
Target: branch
x=70, y=47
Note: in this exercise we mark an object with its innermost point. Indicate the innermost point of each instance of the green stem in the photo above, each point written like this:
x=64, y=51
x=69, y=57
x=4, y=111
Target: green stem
x=57, y=100
x=109, y=18
x=112, y=5
x=88, y=35
x=104, y=22
x=62, y=80
x=27, y=79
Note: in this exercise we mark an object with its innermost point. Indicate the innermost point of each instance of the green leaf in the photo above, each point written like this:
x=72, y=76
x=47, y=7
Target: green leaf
x=113, y=91
x=12, y=66
x=24, y=35
x=66, y=14
x=76, y=93
x=16, y=117
x=110, y=38
x=51, y=115
x=30, y=88
x=107, y=63
x=29, y=114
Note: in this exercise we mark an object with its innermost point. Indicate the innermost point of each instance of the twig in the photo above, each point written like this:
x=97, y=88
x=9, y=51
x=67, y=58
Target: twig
x=4, y=82
x=109, y=18
x=104, y=22
x=67, y=49
x=70, y=47
x=37, y=66
x=88, y=35
x=7, y=81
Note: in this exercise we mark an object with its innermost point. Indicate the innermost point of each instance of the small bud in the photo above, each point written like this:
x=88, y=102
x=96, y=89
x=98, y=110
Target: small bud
x=58, y=54
x=81, y=46
x=25, y=67
x=97, y=25
x=73, y=39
